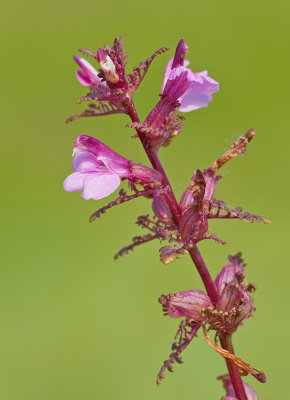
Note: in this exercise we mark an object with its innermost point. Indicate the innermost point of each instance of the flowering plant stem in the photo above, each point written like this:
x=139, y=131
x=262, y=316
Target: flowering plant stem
x=226, y=342
x=194, y=252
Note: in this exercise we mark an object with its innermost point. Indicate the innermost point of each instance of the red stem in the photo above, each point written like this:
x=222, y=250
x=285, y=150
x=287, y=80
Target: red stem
x=226, y=342
x=194, y=252
x=204, y=274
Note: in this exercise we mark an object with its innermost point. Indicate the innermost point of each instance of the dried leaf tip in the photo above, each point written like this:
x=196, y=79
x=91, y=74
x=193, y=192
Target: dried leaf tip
x=238, y=147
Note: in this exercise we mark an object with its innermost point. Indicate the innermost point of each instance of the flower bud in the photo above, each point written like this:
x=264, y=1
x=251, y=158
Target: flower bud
x=185, y=304
x=107, y=66
x=193, y=225
x=186, y=199
x=101, y=56
x=211, y=182
x=180, y=51
x=194, y=192
x=161, y=209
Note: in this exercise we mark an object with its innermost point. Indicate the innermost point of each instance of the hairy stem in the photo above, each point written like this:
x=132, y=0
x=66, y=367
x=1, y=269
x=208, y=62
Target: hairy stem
x=155, y=162
x=226, y=342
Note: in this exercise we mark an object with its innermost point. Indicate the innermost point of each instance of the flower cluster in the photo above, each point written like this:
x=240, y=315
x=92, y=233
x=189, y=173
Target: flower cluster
x=233, y=307
x=99, y=170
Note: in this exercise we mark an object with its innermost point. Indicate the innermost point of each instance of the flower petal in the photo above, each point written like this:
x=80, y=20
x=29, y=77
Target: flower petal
x=98, y=186
x=168, y=70
x=87, y=162
x=83, y=78
x=74, y=182
x=87, y=69
x=199, y=93
x=178, y=83
x=109, y=158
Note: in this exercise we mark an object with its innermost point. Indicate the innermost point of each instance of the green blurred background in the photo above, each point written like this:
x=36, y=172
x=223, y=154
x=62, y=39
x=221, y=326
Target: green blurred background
x=75, y=324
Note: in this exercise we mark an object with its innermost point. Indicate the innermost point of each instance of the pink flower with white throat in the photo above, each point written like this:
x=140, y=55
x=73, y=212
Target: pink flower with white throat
x=98, y=170
x=193, y=90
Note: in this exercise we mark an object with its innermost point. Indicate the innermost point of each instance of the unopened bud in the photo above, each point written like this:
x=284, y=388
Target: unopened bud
x=193, y=225
x=161, y=209
x=194, y=192
x=107, y=66
x=180, y=51
x=101, y=56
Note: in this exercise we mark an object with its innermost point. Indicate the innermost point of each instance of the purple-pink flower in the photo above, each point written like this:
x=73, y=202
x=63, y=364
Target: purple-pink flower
x=182, y=89
x=87, y=75
x=98, y=170
x=233, y=296
x=234, y=303
x=192, y=90
x=185, y=304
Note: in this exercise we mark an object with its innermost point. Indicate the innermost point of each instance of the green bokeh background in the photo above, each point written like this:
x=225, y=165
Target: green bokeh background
x=74, y=323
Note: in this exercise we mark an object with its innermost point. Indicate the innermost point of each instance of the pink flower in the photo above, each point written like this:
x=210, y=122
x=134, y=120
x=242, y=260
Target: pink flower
x=192, y=90
x=87, y=75
x=233, y=296
x=185, y=304
x=98, y=170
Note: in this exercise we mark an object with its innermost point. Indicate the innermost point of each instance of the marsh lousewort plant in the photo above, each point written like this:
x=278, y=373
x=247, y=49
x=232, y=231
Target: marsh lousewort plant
x=98, y=171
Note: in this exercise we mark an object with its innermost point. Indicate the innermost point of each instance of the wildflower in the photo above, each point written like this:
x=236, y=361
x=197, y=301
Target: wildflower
x=234, y=303
x=182, y=89
x=185, y=304
x=192, y=90
x=98, y=170
x=87, y=75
